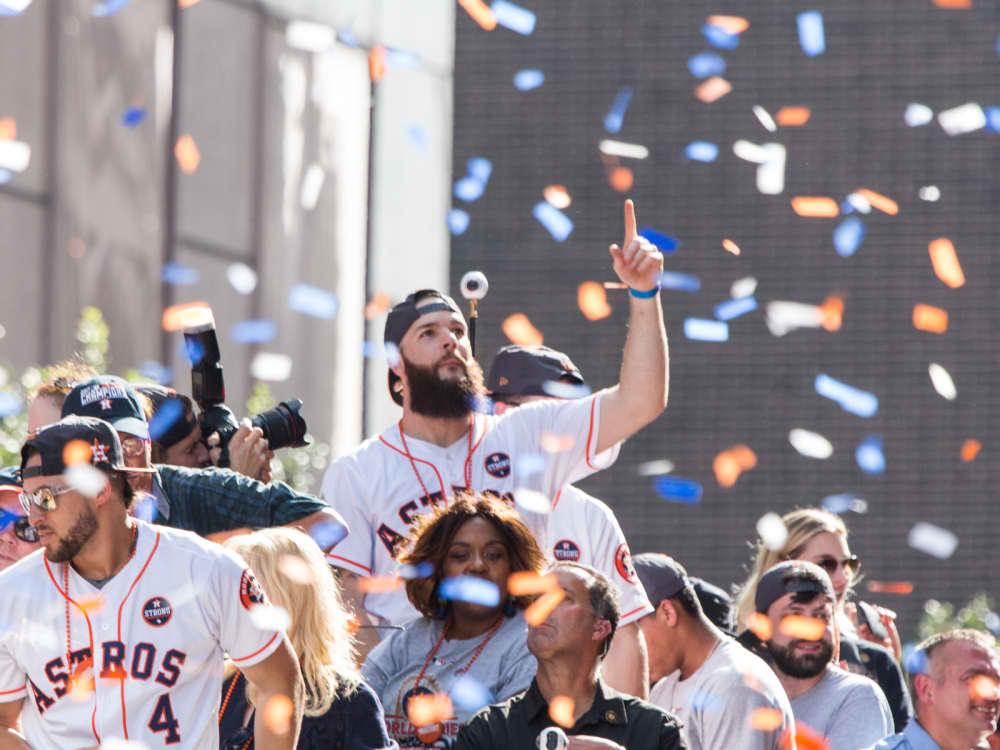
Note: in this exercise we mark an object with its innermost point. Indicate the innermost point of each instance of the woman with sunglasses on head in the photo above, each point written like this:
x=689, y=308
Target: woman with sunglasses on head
x=18, y=538
x=820, y=537
x=462, y=646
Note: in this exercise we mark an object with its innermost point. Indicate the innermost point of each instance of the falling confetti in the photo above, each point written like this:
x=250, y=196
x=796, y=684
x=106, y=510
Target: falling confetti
x=759, y=624
x=766, y=719
x=513, y=17
x=615, y=117
x=793, y=117
x=942, y=381
x=706, y=64
x=843, y=503
x=171, y=410
x=179, y=274
x=810, y=444
x=540, y=609
x=469, y=695
x=458, y=221
x=730, y=247
x=133, y=116
x=242, y=278
x=623, y=150
x=275, y=368
x=732, y=462
x=720, y=36
x=970, y=449
x=729, y=24
x=890, y=587
x=814, y=207
x=702, y=329
x=929, y=318
x=745, y=287
x=557, y=196
x=713, y=89
x=519, y=329
x=870, y=456
x=655, y=468
x=679, y=282
x=528, y=79
x=527, y=582
x=592, y=299
x=929, y=193
x=379, y=584
x=772, y=531
x=812, y=37
x=480, y=12
x=964, y=119
x=663, y=241
x=186, y=315
x=848, y=236
x=678, y=489
x=470, y=589
x=878, y=201
x=561, y=711
x=14, y=155
x=702, y=151
x=945, y=262
x=312, y=300
x=850, y=399
x=917, y=114
x=559, y=225
x=621, y=179
x=270, y=617
x=532, y=501
x=187, y=154
x=765, y=119
x=734, y=308
x=932, y=540
x=802, y=628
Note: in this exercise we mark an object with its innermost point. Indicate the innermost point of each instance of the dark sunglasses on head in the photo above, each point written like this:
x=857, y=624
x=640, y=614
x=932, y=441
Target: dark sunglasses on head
x=830, y=564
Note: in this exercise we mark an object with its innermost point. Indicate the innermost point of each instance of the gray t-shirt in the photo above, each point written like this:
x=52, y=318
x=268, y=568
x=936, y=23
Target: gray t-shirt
x=504, y=667
x=717, y=703
x=849, y=710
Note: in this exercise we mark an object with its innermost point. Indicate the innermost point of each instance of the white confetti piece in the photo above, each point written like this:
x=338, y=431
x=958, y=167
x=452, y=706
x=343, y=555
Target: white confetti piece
x=532, y=501
x=771, y=173
x=765, y=118
x=917, y=115
x=810, y=444
x=745, y=287
x=655, y=468
x=932, y=540
x=14, y=155
x=86, y=480
x=271, y=367
x=929, y=193
x=309, y=37
x=772, y=531
x=750, y=152
x=942, y=382
x=624, y=150
x=964, y=119
x=270, y=617
x=783, y=317
x=312, y=183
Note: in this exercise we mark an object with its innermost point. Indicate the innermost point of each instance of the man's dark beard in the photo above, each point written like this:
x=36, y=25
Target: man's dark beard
x=434, y=396
x=801, y=666
x=81, y=532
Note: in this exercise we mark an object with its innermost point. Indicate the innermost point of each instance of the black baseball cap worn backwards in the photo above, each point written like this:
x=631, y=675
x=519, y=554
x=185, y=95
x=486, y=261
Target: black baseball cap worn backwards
x=50, y=444
x=791, y=577
x=109, y=398
x=524, y=371
x=402, y=317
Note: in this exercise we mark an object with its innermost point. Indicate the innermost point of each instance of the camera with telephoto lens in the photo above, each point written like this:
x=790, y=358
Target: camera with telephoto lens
x=283, y=426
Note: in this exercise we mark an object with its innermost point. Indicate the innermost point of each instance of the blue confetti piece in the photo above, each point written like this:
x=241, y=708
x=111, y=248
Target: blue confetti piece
x=480, y=168
x=559, y=224
x=706, y=64
x=993, y=119
x=702, y=329
x=469, y=589
x=850, y=399
x=702, y=151
x=108, y=8
x=916, y=662
x=348, y=38
x=193, y=350
x=180, y=275
x=615, y=117
x=530, y=464
x=133, y=116
x=847, y=208
x=843, y=503
x=144, y=508
x=311, y=300
x=328, y=534
x=417, y=137
x=420, y=570
x=734, y=308
x=469, y=694
x=10, y=404
x=870, y=456
x=679, y=282
x=513, y=17
x=402, y=58
x=848, y=236
x=458, y=221
x=169, y=412
x=469, y=189
x=7, y=10
x=719, y=38
x=812, y=38
x=253, y=331
x=528, y=79
x=664, y=242
x=156, y=372
x=678, y=489
x=5, y=176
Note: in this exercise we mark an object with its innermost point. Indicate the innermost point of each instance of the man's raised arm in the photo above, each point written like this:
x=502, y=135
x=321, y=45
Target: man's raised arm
x=641, y=393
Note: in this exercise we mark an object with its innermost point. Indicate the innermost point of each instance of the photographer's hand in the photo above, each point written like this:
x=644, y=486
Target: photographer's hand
x=248, y=452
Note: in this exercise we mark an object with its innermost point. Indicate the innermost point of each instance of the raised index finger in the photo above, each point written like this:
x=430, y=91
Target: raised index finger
x=630, y=230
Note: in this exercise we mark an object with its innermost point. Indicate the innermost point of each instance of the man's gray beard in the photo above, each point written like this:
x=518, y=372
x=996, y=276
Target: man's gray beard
x=433, y=396
x=80, y=533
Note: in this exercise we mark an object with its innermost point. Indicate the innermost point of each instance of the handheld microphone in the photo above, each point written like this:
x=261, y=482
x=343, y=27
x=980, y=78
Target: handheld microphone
x=552, y=738
x=474, y=287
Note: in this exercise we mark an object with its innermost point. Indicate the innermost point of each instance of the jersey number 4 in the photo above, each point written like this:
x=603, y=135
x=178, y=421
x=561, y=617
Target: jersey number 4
x=163, y=720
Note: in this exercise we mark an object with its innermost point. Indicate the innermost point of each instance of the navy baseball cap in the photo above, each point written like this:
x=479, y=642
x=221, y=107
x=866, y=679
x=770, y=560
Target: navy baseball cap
x=524, y=371
x=109, y=398
x=402, y=317
x=715, y=603
x=50, y=443
x=791, y=577
x=661, y=575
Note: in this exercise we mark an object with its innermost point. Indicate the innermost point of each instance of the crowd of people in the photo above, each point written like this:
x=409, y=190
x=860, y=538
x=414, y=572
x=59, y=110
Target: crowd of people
x=451, y=587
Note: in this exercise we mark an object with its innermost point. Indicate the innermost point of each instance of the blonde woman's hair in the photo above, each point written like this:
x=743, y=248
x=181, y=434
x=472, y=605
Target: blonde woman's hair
x=802, y=524
x=293, y=572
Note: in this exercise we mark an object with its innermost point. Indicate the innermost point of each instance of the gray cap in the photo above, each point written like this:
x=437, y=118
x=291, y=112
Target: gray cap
x=661, y=576
x=524, y=370
x=791, y=577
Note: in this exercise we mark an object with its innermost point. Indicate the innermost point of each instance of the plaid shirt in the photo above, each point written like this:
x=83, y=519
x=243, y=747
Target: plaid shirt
x=207, y=501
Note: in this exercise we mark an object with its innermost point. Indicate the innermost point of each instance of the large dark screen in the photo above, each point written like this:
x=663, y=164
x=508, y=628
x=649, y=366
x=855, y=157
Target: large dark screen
x=880, y=57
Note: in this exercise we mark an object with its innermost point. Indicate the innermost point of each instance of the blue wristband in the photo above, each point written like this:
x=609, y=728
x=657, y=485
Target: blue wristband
x=644, y=295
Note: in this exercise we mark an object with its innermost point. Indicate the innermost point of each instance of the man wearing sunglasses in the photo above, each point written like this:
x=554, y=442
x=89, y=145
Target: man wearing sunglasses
x=18, y=538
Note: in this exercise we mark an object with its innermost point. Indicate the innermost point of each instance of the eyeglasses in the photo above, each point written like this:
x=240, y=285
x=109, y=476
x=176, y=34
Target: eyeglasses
x=23, y=529
x=850, y=564
x=43, y=499
x=133, y=446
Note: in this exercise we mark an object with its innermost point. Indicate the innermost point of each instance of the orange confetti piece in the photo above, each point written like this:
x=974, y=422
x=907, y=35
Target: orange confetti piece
x=557, y=196
x=984, y=688
x=929, y=318
x=945, y=262
x=793, y=117
x=808, y=739
x=187, y=154
x=729, y=24
x=713, y=89
x=8, y=129
x=832, y=313
x=423, y=710
x=815, y=207
x=542, y=607
x=954, y=4
x=220, y=537
x=765, y=719
x=76, y=452
x=552, y=442
x=731, y=247
x=379, y=584
x=890, y=587
x=877, y=200
x=732, y=462
x=278, y=712
x=528, y=582
x=91, y=604
x=377, y=305
x=519, y=329
x=970, y=449
x=185, y=315
x=803, y=628
x=561, y=711
x=480, y=12
x=593, y=300
x=187, y=3
x=759, y=624
x=376, y=63
x=621, y=179
x=353, y=626
x=296, y=570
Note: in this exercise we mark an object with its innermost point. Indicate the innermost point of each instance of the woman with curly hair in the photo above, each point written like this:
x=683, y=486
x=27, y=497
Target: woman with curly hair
x=471, y=638
x=341, y=711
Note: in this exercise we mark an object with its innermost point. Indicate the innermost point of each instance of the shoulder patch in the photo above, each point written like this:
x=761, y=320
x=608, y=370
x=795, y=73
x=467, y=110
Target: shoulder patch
x=251, y=592
x=157, y=611
x=623, y=564
x=498, y=465
x=566, y=550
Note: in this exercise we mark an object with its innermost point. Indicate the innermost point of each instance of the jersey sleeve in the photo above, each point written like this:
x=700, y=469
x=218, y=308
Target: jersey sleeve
x=235, y=593
x=13, y=680
x=345, y=491
x=612, y=557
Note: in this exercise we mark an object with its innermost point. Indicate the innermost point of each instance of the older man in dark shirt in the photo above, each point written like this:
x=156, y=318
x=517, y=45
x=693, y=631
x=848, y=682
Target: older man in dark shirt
x=569, y=646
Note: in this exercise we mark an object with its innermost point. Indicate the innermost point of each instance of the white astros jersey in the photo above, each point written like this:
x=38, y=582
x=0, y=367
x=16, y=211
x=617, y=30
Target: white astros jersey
x=583, y=529
x=388, y=480
x=157, y=632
